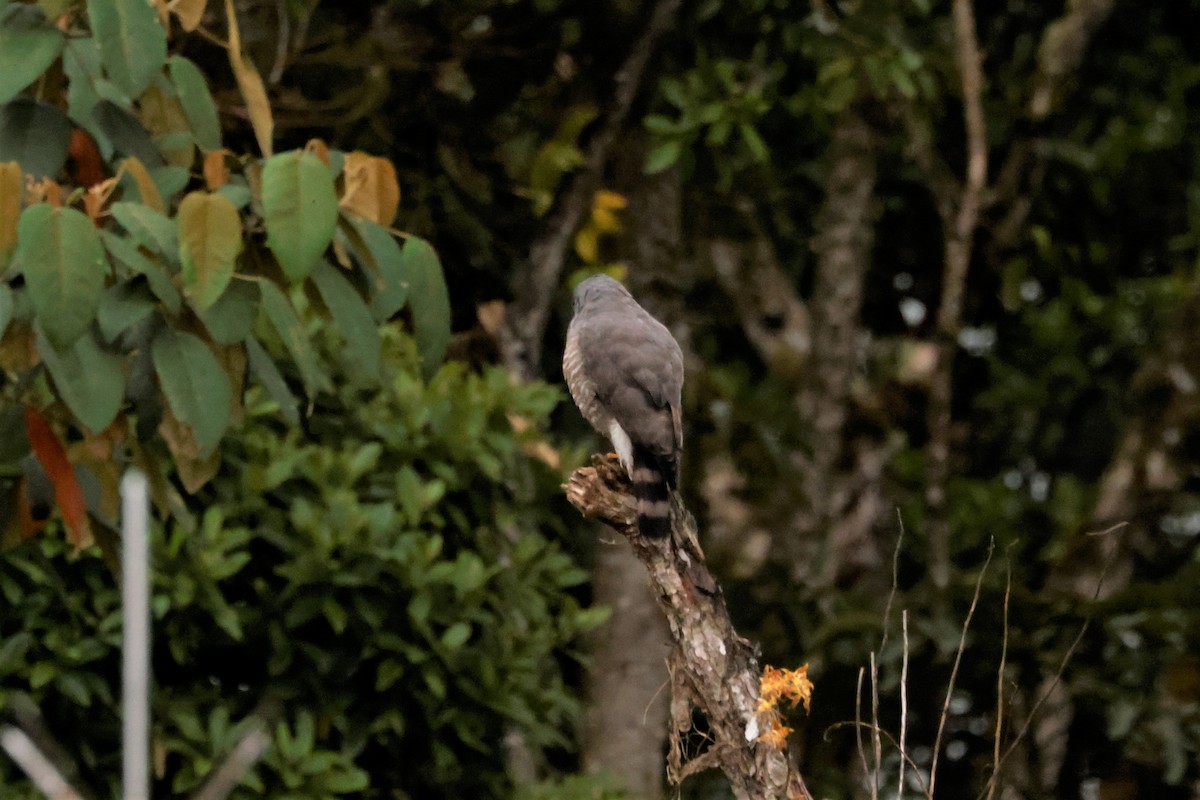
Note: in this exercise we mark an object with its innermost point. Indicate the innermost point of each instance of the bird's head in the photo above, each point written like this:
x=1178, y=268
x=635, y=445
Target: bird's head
x=598, y=288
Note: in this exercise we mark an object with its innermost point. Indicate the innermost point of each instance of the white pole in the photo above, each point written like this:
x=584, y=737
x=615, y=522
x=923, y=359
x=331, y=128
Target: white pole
x=39, y=769
x=135, y=598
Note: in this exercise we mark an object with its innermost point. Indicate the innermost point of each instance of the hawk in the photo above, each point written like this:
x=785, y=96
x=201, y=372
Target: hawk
x=625, y=372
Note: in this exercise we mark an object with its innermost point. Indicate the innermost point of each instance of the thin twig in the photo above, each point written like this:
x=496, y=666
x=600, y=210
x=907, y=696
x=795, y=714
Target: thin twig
x=890, y=739
x=1000, y=684
x=903, y=704
x=1062, y=664
x=283, y=45
x=875, y=729
x=887, y=608
x=858, y=726
x=962, y=644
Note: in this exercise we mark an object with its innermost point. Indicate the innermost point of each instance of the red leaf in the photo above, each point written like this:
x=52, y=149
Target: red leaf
x=88, y=165
x=67, y=493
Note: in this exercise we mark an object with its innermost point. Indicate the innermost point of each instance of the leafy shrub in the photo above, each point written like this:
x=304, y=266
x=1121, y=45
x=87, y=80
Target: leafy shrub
x=383, y=589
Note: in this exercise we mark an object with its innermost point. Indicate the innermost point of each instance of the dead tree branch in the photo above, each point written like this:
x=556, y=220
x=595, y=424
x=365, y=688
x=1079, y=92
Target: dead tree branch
x=713, y=669
x=534, y=285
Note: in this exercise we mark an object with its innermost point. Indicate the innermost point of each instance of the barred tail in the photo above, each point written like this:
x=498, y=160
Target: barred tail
x=652, y=482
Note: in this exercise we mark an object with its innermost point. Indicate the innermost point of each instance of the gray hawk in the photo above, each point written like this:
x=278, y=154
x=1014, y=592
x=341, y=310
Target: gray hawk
x=625, y=372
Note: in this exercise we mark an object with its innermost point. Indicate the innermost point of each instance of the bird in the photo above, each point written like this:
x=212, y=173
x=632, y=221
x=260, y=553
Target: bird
x=625, y=373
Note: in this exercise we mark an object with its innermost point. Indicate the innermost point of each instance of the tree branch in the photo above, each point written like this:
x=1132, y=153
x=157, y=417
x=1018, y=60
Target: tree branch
x=845, y=233
x=959, y=242
x=1061, y=51
x=712, y=667
x=535, y=284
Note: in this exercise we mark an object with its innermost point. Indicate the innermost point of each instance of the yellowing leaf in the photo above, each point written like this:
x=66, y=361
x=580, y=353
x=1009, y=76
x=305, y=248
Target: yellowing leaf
x=147, y=188
x=216, y=173
x=11, y=189
x=210, y=239
x=372, y=188
x=258, y=107
x=587, y=244
x=164, y=118
x=609, y=200
x=189, y=12
x=194, y=467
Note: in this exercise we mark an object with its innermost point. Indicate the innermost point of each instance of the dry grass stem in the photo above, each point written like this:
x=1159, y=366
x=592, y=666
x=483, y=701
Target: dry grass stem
x=1000, y=685
x=903, y=703
x=887, y=608
x=962, y=643
x=858, y=727
x=1062, y=666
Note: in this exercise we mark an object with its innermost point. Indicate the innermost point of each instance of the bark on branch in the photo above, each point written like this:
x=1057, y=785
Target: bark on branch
x=713, y=669
x=959, y=243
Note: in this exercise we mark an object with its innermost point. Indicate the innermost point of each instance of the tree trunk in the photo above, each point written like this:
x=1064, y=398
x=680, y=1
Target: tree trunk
x=626, y=727
x=845, y=236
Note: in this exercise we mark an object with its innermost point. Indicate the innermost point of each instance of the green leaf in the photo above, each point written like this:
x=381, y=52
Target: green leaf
x=28, y=46
x=64, y=268
x=238, y=194
x=230, y=319
x=171, y=180
x=149, y=228
x=210, y=240
x=291, y=331
x=354, y=322
x=126, y=133
x=428, y=300
x=754, y=142
x=86, y=86
x=300, y=209
x=347, y=782
x=456, y=635
x=88, y=379
x=197, y=102
x=35, y=135
x=391, y=291
x=195, y=385
x=663, y=156
x=272, y=380
x=133, y=45
x=388, y=673
x=122, y=306
x=128, y=254
x=6, y=307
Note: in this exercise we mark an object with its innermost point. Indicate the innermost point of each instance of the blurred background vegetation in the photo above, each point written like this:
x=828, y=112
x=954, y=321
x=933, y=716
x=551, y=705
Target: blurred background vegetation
x=895, y=367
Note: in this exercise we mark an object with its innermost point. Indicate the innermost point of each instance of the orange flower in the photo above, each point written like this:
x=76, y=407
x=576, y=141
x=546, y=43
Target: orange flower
x=790, y=684
x=776, y=736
